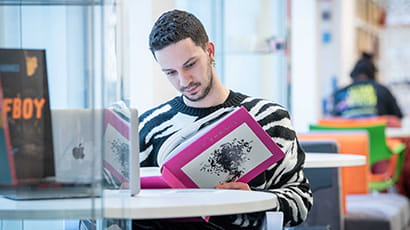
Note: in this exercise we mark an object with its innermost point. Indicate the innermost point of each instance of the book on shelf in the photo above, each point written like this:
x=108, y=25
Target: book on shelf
x=26, y=117
x=235, y=148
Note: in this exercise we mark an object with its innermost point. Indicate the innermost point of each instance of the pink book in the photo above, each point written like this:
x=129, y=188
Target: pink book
x=234, y=148
x=121, y=164
x=151, y=178
x=116, y=149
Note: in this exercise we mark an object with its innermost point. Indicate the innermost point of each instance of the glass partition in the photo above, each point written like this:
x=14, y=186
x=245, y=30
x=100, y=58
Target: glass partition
x=80, y=39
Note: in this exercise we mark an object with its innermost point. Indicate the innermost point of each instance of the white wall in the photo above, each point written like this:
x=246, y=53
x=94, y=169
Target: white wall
x=319, y=67
x=347, y=40
x=148, y=85
x=305, y=96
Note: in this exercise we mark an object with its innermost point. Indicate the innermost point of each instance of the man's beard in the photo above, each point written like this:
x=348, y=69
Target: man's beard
x=206, y=90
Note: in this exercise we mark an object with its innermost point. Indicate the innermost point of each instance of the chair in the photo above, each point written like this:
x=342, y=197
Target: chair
x=380, y=211
x=403, y=184
x=390, y=121
x=386, y=162
x=354, y=180
x=363, y=210
x=326, y=212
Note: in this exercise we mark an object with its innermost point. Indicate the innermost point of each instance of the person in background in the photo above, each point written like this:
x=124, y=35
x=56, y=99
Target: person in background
x=365, y=97
x=180, y=45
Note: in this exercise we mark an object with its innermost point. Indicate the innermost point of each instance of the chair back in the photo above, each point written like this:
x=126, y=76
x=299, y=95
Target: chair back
x=378, y=148
x=354, y=179
x=325, y=185
x=389, y=120
x=386, y=155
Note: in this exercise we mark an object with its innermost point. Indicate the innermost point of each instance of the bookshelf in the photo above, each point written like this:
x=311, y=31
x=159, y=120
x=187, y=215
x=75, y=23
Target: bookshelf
x=369, y=21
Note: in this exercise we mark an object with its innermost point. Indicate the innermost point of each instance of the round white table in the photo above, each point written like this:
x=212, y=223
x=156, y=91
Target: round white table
x=398, y=132
x=161, y=203
x=325, y=160
x=175, y=203
x=149, y=203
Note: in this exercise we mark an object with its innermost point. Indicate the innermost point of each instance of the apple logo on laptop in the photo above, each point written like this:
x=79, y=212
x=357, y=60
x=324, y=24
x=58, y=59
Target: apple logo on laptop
x=78, y=152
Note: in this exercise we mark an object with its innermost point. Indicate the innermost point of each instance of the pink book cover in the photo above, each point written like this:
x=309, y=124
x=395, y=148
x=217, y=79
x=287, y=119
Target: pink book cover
x=153, y=182
x=116, y=145
x=151, y=178
x=235, y=148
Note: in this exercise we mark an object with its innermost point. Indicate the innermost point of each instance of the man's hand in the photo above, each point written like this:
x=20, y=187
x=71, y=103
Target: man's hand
x=234, y=185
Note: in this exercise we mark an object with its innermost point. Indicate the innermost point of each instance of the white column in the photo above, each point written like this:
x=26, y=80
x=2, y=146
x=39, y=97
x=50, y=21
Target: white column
x=305, y=95
x=136, y=59
x=348, y=40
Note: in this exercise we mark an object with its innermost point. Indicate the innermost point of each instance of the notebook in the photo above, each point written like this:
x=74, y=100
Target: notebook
x=81, y=153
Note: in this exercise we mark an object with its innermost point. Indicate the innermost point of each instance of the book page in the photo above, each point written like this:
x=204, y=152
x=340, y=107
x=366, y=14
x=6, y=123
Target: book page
x=116, y=155
x=228, y=159
x=190, y=134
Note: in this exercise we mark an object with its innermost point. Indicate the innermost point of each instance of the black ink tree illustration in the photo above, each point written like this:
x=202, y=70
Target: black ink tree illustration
x=121, y=151
x=228, y=158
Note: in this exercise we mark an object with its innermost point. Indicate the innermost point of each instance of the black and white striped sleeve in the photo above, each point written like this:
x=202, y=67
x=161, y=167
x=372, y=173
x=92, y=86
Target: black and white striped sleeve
x=285, y=179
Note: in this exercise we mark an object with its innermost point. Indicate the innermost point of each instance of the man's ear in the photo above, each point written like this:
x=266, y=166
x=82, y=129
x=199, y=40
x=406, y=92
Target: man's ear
x=210, y=49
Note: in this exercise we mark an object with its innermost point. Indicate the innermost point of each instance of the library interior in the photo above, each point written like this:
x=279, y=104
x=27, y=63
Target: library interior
x=89, y=119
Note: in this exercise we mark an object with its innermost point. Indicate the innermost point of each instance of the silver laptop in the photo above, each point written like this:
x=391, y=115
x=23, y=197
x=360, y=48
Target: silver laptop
x=77, y=140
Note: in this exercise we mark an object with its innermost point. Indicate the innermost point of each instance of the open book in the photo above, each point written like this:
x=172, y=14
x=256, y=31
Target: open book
x=116, y=148
x=233, y=148
x=121, y=147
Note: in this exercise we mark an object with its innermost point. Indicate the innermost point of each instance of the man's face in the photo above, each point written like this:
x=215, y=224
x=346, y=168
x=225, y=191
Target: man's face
x=188, y=68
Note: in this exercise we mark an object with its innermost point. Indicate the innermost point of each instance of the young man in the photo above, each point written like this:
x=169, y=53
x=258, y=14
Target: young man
x=181, y=47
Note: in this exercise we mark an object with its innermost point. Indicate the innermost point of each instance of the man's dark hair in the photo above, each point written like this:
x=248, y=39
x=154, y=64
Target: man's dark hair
x=364, y=66
x=174, y=26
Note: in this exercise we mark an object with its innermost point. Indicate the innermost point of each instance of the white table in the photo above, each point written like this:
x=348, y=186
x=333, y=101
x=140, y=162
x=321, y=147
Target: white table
x=324, y=160
x=50, y=209
x=398, y=132
x=161, y=203
x=174, y=203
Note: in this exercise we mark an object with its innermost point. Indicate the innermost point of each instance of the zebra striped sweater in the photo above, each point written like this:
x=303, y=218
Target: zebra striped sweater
x=285, y=179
